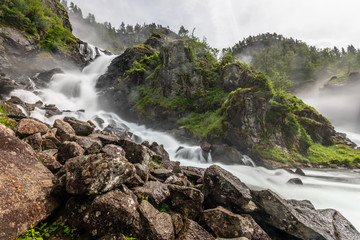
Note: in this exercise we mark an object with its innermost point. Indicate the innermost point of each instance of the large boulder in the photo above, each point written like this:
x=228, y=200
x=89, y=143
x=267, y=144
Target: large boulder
x=96, y=174
x=90, y=145
x=28, y=126
x=221, y=188
x=156, y=192
x=69, y=150
x=192, y=230
x=64, y=130
x=223, y=223
x=24, y=187
x=300, y=220
x=185, y=200
x=159, y=224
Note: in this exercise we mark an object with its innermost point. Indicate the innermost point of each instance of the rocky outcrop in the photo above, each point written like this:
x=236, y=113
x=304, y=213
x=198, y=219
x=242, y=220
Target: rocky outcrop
x=25, y=187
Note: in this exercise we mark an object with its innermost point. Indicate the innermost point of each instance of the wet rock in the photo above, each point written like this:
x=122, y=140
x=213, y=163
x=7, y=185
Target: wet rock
x=299, y=219
x=96, y=174
x=48, y=158
x=177, y=221
x=64, y=130
x=299, y=172
x=113, y=212
x=185, y=200
x=35, y=141
x=178, y=179
x=12, y=110
x=113, y=128
x=221, y=188
x=113, y=150
x=28, y=126
x=25, y=187
x=226, y=154
x=51, y=110
x=69, y=150
x=90, y=145
x=205, y=146
x=156, y=192
x=136, y=153
x=223, y=223
x=159, y=223
x=43, y=78
x=193, y=230
x=295, y=181
x=109, y=138
x=81, y=128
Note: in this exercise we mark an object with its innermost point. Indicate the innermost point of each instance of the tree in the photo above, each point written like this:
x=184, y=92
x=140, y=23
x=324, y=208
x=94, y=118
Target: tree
x=137, y=28
x=182, y=31
x=129, y=29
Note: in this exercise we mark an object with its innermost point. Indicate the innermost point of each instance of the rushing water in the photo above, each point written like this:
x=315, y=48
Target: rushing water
x=338, y=189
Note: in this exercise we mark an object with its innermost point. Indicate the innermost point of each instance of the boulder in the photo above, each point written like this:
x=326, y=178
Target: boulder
x=28, y=126
x=109, y=138
x=81, y=128
x=299, y=172
x=178, y=179
x=223, y=223
x=64, y=130
x=159, y=224
x=193, y=174
x=113, y=212
x=156, y=192
x=160, y=150
x=24, y=187
x=12, y=111
x=113, y=150
x=35, y=141
x=162, y=174
x=295, y=181
x=48, y=158
x=96, y=174
x=90, y=145
x=299, y=219
x=69, y=150
x=51, y=110
x=49, y=140
x=193, y=230
x=185, y=200
x=226, y=154
x=221, y=188
x=177, y=222
x=136, y=153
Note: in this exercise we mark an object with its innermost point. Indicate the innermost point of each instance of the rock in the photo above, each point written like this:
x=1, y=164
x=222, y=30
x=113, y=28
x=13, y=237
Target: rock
x=226, y=224
x=162, y=174
x=221, y=188
x=81, y=128
x=64, y=130
x=134, y=181
x=113, y=150
x=90, y=145
x=51, y=110
x=28, y=126
x=113, y=212
x=192, y=231
x=299, y=219
x=12, y=111
x=96, y=174
x=156, y=192
x=177, y=221
x=205, y=146
x=295, y=181
x=160, y=150
x=50, y=141
x=136, y=153
x=185, y=200
x=178, y=179
x=226, y=154
x=193, y=174
x=109, y=139
x=24, y=188
x=48, y=158
x=113, y=128
x=44, y=77
x=69, y=150
x=159, y=223
x=299, y=172
x=35, y=141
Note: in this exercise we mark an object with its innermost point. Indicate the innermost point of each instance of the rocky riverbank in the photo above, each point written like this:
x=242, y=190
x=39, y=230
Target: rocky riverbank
x=107, y=186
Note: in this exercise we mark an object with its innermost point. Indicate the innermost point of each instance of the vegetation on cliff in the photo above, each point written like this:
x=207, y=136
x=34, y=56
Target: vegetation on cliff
x=41, y=20
x=182, y=83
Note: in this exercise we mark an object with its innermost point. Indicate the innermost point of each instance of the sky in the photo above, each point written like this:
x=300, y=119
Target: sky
x=323, y=23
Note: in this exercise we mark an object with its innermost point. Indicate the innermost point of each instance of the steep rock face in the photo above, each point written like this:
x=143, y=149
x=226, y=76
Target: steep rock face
x=25, y=186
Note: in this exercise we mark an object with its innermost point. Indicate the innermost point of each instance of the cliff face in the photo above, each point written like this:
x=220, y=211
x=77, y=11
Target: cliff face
x=178, y=83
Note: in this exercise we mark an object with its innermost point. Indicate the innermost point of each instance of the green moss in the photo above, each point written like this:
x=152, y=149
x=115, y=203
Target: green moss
x=150, y=97
x=208, y=124
x=4, y=120
x=45, y=230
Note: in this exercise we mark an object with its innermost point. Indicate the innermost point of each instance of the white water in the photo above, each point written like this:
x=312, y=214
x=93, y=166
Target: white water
x=338, y=189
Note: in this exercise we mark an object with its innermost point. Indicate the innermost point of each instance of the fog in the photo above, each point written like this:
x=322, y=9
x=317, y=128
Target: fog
x=323, y=23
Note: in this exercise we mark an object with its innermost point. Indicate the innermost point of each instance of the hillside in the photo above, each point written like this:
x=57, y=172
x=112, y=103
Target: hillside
x=179, y=84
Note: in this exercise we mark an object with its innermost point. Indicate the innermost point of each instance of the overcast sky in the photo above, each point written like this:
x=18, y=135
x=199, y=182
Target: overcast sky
x=323, y=23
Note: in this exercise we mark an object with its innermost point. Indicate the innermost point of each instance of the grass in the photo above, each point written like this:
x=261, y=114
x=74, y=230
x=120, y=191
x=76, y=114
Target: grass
x=203, y=125
x=4, y=120
x=46, y=230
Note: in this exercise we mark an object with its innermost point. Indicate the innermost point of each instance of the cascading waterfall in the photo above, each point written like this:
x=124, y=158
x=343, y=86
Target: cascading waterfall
x=338, y=189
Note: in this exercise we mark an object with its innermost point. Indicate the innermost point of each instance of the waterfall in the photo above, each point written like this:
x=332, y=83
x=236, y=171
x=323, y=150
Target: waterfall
x=75, y=90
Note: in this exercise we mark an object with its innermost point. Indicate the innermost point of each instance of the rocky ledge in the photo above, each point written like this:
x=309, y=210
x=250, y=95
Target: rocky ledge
x=109, y=187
